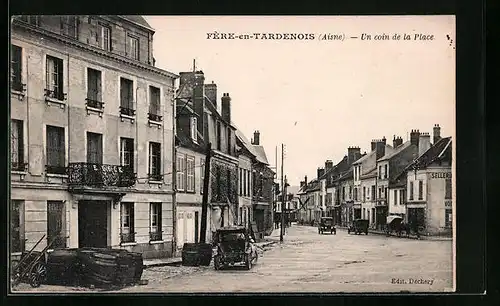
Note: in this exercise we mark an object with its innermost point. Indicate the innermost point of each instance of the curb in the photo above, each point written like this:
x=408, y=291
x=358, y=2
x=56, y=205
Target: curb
x=172, y=262
x=178, y=261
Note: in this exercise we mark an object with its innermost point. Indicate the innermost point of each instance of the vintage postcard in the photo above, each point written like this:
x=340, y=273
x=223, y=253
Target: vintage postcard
x=238, y=154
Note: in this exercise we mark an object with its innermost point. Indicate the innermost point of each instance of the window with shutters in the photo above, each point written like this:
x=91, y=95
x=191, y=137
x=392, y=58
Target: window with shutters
x=355, y=194
x=155, y=225
x=181, y=172
x=94, y=148
x=396, y=197
x=448, y=218
x=127, y=230
x=154, y=104
x=127, y=97
x=385, y=171
x=54, y=78
x=17, y=242
x=94, y=89
x=16, y=67
x=202, y=174
x=56, y=230
x=194, y=129
x=55, y=150
x=420, y=190
x=190, y=177
x=411, y=191
x=218, y=135
x=447, y=192
x=105, y=37
x=133, y=47
x=402, y=199
x=155, y=162
x=127, y=153
x=17, y=145
x=241, y=182
x=69, y=26
x=364, y=194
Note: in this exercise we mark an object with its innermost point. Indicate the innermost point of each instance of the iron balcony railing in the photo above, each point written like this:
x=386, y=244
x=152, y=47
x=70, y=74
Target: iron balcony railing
x=94, y=103
x=100, y=175
x=154, y=117
x=55, y=94
x=155, y=236
x=127, y=237
x=18, y=86
x=19, y=166
x=127, y=111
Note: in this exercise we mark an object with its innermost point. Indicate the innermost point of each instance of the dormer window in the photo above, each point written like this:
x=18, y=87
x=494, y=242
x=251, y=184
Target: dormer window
x=194, y=128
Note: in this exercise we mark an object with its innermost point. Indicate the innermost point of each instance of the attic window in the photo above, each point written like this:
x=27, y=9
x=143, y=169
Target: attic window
x=194, y=128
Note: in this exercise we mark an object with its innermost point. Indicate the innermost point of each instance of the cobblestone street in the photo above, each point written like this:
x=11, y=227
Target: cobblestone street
x=308, y=262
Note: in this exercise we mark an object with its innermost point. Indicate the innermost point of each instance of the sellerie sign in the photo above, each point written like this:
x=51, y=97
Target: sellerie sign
x=440, y=175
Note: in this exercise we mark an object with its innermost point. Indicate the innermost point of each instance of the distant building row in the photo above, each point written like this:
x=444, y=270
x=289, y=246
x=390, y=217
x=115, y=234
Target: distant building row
x=411, y=179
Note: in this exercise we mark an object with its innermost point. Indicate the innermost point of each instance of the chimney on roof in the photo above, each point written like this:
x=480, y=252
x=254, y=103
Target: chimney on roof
x=305, y=181
x=321, y=171
x=397, y=141
x=211, y=93
x=353, y=154
x=414, y=137
x=193, y=89
x=256, y=138
x=301, y=184
x=328, y=165
x=226, y=107
x=436, y=133
x=424, y=143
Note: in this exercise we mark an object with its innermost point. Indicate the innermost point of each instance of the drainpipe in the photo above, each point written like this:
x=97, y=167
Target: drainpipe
x=174, y=174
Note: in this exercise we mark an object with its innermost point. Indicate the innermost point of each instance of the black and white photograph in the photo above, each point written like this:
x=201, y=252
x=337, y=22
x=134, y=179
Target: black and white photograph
x=232, y=154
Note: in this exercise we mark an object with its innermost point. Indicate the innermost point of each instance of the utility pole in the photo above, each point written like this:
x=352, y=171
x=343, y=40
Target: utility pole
x=204, y=204
x=282, y=194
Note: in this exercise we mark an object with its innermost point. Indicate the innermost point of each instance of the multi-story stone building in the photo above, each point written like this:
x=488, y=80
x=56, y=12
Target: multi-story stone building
x=215, y=128
x=367, y=176
x=247, y=157
x=263, y=190
x=91, y=135
x=391, y=165
x=422, y=191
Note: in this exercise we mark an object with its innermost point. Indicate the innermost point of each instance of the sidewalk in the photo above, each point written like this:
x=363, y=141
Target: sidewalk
x=412, y=236
x=177, y=261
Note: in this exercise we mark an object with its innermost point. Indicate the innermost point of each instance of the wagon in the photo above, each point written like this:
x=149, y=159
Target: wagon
x=358, y=226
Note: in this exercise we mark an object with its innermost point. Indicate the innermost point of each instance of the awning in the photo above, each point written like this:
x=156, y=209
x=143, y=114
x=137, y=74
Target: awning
x=392, y=218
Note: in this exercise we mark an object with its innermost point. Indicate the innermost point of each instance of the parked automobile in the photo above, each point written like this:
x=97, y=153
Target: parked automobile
x=326, y=225
x=358, y=226
x=234, y=247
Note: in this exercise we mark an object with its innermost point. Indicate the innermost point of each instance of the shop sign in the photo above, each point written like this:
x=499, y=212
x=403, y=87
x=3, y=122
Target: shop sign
x=440, y=175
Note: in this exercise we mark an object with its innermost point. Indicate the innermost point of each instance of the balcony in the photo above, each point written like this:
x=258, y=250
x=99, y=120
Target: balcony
x=19, y=89
x=127, y=113
x=19, y=167
x=155, y=236
x=154, y=117
x=100, y=175
x=54, y=96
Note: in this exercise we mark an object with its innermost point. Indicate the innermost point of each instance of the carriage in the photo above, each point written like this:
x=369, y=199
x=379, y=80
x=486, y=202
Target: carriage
x=397, y=225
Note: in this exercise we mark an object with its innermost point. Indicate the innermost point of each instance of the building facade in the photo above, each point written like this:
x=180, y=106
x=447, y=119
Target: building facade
x=429, y=190
x=215, y=128
x=91, y=135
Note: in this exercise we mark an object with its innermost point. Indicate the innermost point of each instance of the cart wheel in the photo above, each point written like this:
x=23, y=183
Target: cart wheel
x=35, y=280
x=41, y=270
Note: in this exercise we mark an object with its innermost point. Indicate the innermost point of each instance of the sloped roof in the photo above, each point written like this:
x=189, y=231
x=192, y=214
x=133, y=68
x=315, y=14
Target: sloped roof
x=439, y=150
x=365, y=157
x=260, y=154
x=139, y=20
x=434, y=153
x=246, y=143
x=347, y=175
x=395, y=152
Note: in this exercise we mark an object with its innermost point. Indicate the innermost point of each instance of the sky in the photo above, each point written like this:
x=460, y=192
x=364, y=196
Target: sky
x=318, y=97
